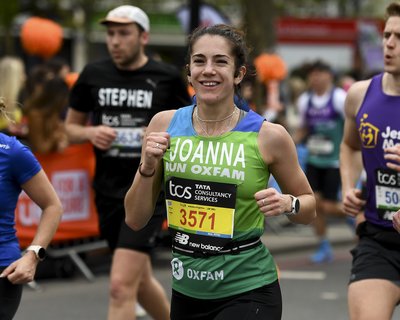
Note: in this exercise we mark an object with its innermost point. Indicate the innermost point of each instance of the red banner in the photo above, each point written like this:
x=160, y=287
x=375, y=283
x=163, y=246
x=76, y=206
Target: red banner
x=71, y=173
x=317, y=30
x=320, y=30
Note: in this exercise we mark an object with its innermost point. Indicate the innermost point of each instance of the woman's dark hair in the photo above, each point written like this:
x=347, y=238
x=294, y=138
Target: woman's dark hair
x=50, y=96
x=234, y=36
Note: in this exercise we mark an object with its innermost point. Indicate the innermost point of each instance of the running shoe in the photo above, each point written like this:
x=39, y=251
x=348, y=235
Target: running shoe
x=324, y=253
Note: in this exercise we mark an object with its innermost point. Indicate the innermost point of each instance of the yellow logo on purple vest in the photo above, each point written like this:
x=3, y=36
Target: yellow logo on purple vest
x=368, y=133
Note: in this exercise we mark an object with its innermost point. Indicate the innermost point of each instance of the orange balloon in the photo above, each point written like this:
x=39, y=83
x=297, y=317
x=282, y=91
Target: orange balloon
x=270, y=67
x=41, y=37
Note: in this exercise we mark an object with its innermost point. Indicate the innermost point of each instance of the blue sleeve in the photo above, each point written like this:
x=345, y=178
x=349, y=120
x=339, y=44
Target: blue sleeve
x=24, y=164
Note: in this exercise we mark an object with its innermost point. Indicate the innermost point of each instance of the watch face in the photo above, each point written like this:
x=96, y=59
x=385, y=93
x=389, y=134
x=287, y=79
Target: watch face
x=41, y=253
x=297, y=205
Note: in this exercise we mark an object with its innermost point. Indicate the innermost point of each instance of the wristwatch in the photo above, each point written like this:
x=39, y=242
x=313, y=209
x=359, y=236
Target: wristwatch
x=295, y=208
x=39, y=251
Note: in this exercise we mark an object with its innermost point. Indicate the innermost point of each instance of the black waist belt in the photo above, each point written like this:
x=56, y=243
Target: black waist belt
x=232, y=248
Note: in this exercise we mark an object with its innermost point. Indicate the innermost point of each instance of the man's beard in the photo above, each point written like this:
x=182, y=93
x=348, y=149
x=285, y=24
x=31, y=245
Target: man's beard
x=134, y=57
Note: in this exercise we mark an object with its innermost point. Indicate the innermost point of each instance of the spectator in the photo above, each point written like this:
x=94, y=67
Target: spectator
x=43, y=109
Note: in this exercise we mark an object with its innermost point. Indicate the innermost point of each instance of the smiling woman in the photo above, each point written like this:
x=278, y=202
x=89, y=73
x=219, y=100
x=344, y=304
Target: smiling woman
x=216, y=160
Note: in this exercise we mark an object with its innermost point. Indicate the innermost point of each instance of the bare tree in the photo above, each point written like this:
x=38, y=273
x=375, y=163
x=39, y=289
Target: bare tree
x=259, y=23
x=9, y=9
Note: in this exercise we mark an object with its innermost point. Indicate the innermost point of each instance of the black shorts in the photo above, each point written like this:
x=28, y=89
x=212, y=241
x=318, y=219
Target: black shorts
x=10, y=298
x=324, y=180
x=377, y=254
x=118, y=234
x=262, y=303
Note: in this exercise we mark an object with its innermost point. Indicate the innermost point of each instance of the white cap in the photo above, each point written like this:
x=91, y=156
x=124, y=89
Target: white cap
x=128, y=14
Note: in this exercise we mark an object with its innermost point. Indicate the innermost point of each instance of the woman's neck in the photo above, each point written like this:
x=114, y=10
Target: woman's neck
x=207, y=122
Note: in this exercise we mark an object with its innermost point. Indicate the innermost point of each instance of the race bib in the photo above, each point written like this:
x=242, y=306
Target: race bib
x=200, y=213
x=130, y=132
x=387, y=193
x=128, y=137
x=320, y=145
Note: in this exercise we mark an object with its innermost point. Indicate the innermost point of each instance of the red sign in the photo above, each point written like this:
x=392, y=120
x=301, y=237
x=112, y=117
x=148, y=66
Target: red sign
x=71, y=173
x=319, y=31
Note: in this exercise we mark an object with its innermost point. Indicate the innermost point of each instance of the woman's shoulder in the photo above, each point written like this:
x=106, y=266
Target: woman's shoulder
x=6, y=141
x=161, y=120
x=270, y=130
x=274, y=140
x=12, y=148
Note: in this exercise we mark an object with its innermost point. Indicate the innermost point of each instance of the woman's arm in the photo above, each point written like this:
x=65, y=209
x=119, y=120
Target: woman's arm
x=141, y=197
x=42, y=193
x=279, y=153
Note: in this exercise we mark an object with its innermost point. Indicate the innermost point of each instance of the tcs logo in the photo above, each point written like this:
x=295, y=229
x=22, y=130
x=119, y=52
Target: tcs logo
x=179, y=191
x=111, y=121
x=386, y=179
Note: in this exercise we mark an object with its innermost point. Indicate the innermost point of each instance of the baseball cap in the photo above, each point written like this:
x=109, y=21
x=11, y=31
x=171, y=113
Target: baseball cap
x=128, y=14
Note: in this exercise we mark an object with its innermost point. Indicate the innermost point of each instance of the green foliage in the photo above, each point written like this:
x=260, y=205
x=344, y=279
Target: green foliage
x=9, y=9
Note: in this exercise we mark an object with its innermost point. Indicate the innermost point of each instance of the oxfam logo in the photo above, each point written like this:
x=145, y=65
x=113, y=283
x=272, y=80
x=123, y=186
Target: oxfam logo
x=177, y=268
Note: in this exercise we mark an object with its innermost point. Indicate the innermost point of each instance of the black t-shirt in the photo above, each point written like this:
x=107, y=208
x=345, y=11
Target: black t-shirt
x=126, y=101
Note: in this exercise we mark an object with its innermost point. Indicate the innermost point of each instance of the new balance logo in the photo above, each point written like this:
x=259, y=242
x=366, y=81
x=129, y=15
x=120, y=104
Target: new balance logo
x=181, y=238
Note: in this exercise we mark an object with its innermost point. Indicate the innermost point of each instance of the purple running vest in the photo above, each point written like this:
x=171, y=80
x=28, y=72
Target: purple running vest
x=326, y=131
x=378, y=122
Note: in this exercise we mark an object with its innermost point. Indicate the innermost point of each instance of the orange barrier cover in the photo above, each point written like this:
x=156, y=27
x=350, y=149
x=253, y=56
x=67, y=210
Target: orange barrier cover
x=71, y=173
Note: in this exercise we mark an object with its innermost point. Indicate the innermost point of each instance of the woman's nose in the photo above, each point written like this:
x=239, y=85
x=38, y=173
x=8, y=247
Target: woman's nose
x=209, y=68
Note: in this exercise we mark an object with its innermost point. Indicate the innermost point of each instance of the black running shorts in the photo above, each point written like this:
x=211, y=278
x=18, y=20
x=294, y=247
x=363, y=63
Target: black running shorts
x=377, y=255
x=10, y=298
x=117, y=233
x=257, y=304
x=325, y=181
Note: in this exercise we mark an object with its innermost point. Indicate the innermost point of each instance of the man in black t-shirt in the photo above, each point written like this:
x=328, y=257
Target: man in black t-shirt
x=120, y=95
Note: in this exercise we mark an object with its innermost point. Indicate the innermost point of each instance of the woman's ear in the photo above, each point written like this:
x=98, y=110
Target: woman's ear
x=188, y=74
x=240, y=75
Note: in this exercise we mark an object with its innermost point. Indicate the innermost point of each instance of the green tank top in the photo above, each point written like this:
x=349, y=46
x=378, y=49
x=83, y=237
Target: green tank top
x=210, y=184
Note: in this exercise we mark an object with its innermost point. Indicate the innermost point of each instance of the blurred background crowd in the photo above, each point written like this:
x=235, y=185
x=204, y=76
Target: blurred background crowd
x=46, y=40
x=297, y=47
